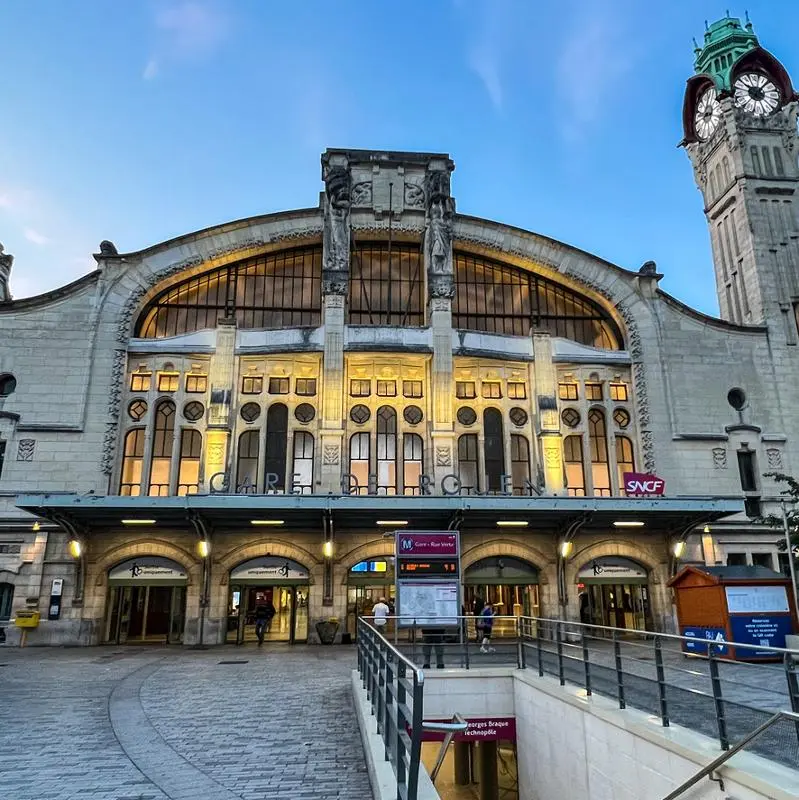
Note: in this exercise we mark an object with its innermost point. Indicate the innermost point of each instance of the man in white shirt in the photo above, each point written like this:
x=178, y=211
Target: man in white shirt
x=380, y=612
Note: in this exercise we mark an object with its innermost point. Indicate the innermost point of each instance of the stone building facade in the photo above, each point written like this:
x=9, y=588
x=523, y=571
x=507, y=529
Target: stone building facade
x=240, y=415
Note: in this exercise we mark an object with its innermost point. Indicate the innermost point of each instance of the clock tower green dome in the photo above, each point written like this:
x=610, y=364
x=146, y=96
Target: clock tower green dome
x=726, y=40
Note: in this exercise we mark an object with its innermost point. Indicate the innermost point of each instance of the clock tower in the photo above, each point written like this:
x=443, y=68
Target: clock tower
x=740, y=125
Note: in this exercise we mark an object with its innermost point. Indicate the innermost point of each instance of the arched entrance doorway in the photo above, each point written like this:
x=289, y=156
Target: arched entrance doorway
x=268, y=581
x=146, y=601
x=509, y=584
x=367, y=582
x=614, y=591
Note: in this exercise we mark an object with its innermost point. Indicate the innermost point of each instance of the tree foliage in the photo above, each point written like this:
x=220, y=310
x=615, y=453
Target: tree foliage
x=791, y=494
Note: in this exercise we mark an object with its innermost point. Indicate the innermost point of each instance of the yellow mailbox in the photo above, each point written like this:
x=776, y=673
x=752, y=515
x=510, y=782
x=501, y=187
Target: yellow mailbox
x=27, y=619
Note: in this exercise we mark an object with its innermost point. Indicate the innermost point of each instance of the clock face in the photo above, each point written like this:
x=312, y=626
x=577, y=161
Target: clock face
x=756, y=94
x=708, y=114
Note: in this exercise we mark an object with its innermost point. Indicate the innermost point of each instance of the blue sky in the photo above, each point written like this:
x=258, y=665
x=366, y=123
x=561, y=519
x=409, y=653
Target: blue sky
x=140, y=121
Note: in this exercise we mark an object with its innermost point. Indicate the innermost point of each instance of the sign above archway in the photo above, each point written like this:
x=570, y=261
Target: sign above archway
x=612, y=569
x=269, y=569
x=148, y=569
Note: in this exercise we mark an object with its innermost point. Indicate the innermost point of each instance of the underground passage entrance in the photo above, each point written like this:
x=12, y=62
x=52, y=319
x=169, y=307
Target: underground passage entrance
x=278, y=585
x=146, y=601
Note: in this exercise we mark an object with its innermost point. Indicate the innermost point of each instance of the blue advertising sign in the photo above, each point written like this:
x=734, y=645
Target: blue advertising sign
x=701, y=637
x=766, y=631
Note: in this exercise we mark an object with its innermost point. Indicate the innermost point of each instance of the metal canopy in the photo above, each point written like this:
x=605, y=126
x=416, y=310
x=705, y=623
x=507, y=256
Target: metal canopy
x=307, y=512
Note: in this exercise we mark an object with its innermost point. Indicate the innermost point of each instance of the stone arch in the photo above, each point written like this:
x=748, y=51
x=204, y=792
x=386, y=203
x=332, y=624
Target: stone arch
x=506, y=547
x=377, y=548
x=611, y=547
x=273, y=547
x=146, y=547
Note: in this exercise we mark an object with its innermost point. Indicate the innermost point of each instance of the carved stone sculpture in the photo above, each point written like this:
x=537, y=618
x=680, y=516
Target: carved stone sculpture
x=648, y=268
x=362, y=194
x=337, y=228
x=442, y=287
x=5, y=271
x=108, y=248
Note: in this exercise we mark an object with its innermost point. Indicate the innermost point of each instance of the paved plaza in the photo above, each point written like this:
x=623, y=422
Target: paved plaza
x=171, y=724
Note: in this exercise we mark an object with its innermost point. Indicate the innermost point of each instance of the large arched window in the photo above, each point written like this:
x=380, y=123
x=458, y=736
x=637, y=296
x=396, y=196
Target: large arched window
x=386, y=450
x=386, y=285
x=6, y=600
x=163, y=438
x=598, y=444
x=467, y=462
x=412, y=462
x=191, y=447
x=573, y=461
x=498, y=298
x=519, y=463
x=359, y=462
x=277, y=290
x=247, y=462
x=625, y=460
x=494, y=449
x=302, y=468
x=132, y=463
x=277, y=426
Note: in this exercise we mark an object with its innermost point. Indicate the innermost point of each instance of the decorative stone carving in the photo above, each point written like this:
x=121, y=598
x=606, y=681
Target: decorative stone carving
x=648, y=268
x=414, y=196
x=552, y=457
x=774, y=458
x=334, y=282
x=439, y=228
x=337, y=220
x=441, y=304
x=648, y=448
x=443, y=456
x=442, y=287
x=6, y=260
x=719, y=457
x=108, y=248
x=330, y=455
x=362, y=194
x=25, y=449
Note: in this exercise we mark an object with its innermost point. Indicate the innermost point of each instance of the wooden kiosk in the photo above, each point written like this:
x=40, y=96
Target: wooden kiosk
x=748, y=605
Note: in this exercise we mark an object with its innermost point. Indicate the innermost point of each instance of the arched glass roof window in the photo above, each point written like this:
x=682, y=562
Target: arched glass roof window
x=498, y=298
x=278, y=290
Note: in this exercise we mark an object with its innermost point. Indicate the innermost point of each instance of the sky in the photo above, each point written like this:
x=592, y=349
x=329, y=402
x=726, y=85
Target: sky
x=143, y=120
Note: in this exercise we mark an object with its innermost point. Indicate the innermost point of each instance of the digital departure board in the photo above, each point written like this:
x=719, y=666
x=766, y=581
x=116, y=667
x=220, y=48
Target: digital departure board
x=420, y=567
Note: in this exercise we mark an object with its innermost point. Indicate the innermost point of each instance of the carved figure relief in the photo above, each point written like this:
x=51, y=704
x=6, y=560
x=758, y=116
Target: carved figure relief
x=443, y=456
x=414, y=196
x=720, y=457
x=25, y=449
x=774, y=458
x=337, y=221
x=362, y=194
x=442, y=287
x=331, y=455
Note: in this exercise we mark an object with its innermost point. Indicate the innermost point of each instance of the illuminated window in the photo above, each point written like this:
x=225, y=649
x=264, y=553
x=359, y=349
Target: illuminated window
x=247, y=464
x=618, y=391
x=163, y=437
x=305, y=387
x=386, y=450
x=412, y=462
x=359, y=462
x=494, y=449
x=519, y=463
x=575, y=471
x=492, y=390
x=140, y=381
x=168, y=382
x=252, y=384
x=386, y=286
x=517, y=391
x=360, y=388
x=499, y=298
x=625, y=460
x=279, y=290
x=568, y=391
x=412, y=388
x=196, y=383
x=386, y=388
x=302, y=469
x=598, y=444
x=467, y=462
x=277, y=424
x=132, y=463
x=191, y=445
x=465, y=390
x=593, y=391
x=278, y=386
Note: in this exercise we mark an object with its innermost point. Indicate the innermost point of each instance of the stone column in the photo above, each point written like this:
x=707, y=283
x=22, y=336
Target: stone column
x=221, y=377
x=547, y=418
x=440, y=210
x=335, y=287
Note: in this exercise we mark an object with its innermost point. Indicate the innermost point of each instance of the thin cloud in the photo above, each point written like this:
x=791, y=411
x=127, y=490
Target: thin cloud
x=34, y=236
x=484, y=61
x=189, y=30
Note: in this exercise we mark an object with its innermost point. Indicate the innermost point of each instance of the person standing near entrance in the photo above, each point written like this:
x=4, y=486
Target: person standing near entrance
x=262, y=620
x=486, y=626
x=477, y=609
x=380, y=612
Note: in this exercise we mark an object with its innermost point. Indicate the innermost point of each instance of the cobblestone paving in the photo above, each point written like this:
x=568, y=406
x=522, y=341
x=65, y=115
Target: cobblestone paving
x=165, y=724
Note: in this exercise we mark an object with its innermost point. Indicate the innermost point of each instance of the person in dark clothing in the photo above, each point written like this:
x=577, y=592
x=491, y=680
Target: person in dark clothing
x=433, y=638
x=263, y=620
x=477, y=609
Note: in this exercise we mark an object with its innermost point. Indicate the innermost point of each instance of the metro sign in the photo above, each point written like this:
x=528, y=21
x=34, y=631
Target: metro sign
x=642, y=483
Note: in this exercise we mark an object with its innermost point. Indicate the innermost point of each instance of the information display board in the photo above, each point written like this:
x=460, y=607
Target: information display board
x=428, y=578
x=757, y=599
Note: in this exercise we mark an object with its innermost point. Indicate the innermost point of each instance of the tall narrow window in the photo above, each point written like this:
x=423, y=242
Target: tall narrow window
x=769, y=172
x=756, y=161
x=2, y=456
x=575, y=470
x=778, y=162
x=6, y=600
x=386, y=450
x=625, y=460
x=277, y=424
x=598, y=443
x=467, y=462
x=494, y=449
x=747, y=470
x=725, y=167
x=359, y=461
x=412, y=462
x=247, y=463
x=519, y=463
x=132, y=462
x=163, y=437
x=191, y=445
x=302, y=470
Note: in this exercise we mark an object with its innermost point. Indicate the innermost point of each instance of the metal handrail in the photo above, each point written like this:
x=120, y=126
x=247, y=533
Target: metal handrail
x=458, y=725
x=727, y=755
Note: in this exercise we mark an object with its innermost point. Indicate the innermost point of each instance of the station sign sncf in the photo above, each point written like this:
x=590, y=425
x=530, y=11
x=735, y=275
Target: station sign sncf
x=640, y=484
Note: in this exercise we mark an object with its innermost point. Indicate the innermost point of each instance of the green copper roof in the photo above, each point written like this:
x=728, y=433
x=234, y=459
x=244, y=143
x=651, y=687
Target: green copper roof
x=725, y=42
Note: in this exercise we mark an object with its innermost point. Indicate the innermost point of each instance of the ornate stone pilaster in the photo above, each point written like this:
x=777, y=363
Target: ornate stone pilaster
x=222, y=379
x=546, y=414
x=337, y=224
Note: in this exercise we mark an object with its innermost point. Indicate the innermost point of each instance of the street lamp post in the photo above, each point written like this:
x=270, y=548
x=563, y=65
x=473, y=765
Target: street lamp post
x=787, y=531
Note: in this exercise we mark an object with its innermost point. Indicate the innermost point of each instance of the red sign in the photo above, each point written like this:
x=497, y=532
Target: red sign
x=418, y=543
x=641, y=483
x=482, y=729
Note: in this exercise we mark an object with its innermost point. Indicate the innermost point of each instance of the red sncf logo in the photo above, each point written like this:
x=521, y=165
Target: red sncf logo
x=636, y=483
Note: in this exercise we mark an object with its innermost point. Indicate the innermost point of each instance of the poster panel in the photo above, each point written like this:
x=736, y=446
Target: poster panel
x=428, y=603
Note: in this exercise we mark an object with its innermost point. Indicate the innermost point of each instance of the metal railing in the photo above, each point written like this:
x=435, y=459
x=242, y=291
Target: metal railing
x=457, y=725
x=395, y=689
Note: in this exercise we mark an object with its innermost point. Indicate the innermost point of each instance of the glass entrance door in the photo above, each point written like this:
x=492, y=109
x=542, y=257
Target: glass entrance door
x=288, y=607
x=146, y=614
x=617, y=605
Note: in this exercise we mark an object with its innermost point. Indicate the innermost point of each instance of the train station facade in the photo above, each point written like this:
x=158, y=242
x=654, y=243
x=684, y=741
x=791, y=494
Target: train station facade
x=245, y=414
